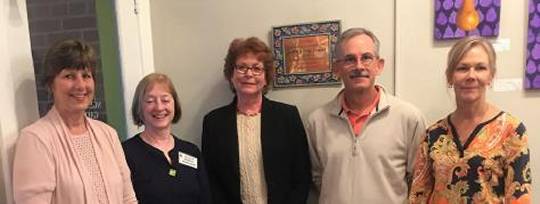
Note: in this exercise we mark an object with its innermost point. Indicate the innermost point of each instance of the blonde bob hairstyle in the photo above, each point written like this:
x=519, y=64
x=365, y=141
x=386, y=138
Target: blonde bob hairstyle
x=462, y=47
x=143, y=87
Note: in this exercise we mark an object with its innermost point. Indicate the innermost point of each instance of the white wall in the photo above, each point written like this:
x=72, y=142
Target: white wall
x=191, y=38
x=135, y=49
x=420, y=64
x=18, y=106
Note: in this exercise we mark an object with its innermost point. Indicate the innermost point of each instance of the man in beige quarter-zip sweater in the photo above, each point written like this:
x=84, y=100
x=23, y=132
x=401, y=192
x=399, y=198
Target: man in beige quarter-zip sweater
x=362, y=144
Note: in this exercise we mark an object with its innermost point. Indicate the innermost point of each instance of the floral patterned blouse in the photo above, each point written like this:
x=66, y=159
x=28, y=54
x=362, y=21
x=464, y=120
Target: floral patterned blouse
x=492, y=166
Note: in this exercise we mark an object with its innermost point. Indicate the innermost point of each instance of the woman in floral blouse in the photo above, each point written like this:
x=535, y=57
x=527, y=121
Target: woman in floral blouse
x=478, y=153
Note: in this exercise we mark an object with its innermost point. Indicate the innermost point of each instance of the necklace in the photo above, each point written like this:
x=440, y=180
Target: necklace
x=249, y=107
x=248, y=113
x=163, y=145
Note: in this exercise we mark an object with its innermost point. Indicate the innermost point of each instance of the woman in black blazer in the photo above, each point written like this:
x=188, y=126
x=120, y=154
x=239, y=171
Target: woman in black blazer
x=255, y=149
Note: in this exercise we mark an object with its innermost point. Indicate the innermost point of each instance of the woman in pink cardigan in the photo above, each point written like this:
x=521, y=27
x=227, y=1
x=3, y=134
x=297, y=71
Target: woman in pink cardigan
x=66, y=157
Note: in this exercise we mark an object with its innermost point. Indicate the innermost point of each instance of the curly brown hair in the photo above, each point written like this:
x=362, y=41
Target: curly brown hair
x=254, y=45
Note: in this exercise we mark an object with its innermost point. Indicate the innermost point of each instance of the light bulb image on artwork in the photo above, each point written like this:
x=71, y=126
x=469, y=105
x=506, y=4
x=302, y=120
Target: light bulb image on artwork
x=467, y=18
x=455, y=19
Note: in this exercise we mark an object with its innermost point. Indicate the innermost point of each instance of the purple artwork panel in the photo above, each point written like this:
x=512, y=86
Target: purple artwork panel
x=532, y=66
x=446, y=12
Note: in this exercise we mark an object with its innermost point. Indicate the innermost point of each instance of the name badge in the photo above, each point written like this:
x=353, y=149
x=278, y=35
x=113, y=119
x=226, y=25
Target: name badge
x=187, y=160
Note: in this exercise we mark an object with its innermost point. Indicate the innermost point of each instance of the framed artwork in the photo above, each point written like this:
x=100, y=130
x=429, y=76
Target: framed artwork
x=458, y=18
x=303, y=54
x=532, y=65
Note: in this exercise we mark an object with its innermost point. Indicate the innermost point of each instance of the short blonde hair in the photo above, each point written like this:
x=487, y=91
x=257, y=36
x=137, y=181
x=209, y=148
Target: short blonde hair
x=144, y=85
x=455, y=55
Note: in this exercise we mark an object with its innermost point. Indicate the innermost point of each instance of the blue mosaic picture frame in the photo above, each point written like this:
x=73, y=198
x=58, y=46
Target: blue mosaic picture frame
x=328, y=31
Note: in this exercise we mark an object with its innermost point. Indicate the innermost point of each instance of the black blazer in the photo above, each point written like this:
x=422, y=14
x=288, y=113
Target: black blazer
x=286, y=162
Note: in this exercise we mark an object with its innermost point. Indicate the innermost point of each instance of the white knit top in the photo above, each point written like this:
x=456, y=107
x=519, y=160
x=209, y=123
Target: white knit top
x=252, y=180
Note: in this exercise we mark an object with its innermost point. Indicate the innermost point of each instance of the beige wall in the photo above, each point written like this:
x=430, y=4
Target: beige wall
x=420, y=64
x=18, y=106
x=190, y=41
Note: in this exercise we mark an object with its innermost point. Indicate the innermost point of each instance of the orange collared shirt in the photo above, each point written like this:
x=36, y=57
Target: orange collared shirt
x=357, y=118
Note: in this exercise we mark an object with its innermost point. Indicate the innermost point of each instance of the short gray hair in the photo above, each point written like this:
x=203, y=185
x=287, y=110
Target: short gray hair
x=353, y=32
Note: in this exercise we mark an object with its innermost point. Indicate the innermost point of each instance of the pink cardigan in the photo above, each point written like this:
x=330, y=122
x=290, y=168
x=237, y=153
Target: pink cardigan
x=46, y=170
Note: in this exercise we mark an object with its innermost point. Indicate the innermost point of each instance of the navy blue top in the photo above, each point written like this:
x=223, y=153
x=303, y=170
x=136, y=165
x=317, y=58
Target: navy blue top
x=156, y=181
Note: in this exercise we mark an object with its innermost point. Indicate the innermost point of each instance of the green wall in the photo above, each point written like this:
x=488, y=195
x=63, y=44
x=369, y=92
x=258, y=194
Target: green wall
x=112, y=76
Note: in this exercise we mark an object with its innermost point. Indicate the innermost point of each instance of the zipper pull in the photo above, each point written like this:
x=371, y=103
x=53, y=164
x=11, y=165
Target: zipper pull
x=355, y=147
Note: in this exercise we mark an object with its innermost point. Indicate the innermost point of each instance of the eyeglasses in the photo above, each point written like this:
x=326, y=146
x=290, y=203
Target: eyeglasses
x=366, y=59
x=256, y=69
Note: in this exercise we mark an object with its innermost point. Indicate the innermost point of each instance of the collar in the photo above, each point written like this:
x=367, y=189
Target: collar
x=372, y=106
x=55, y=116
x=384, y=102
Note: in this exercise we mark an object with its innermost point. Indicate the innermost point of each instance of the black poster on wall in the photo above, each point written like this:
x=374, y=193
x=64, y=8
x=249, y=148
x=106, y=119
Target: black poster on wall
x=52, y=21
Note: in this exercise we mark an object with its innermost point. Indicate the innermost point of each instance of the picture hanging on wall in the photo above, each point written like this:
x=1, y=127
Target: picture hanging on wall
x=459, y=18
x=532, y=67
x=303, y=54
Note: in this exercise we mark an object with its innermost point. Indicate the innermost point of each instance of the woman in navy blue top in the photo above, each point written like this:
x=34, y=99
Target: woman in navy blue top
x=164, y=169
